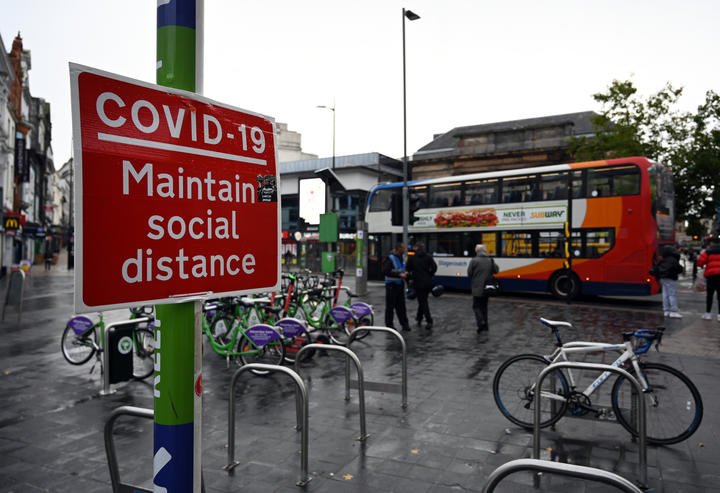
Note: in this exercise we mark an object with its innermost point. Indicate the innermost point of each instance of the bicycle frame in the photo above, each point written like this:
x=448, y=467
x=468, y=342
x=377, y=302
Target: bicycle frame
x=582, y=347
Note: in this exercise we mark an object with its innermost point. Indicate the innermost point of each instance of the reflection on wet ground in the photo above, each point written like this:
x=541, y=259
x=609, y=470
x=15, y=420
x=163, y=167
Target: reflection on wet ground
x=449, y=439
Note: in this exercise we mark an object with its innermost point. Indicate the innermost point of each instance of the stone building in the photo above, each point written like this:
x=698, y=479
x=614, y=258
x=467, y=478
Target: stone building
x=498, y=146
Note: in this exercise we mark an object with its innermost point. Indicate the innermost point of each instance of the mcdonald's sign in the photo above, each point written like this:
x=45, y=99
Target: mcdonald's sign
x=12, y=222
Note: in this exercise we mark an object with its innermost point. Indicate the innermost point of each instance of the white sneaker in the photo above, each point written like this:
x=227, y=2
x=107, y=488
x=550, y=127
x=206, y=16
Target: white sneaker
x=675, y=315
x=666, y=314
x=707, y=316
x=718, y=317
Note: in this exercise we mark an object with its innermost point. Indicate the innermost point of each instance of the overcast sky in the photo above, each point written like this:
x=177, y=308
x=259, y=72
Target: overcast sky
x=468, y=61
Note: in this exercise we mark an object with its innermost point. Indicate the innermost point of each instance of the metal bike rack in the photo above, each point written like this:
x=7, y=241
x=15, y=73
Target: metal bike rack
x=573, y=470
x=400, y=338
x=106, y=354
x=361, y=381
x=301, y=394
x=117, y=485
x=642, y=432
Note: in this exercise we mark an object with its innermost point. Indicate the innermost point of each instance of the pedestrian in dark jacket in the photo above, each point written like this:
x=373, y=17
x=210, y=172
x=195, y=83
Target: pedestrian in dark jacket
x=421, y=267
x=480, y=269
x=667, y=272
x=710, y=259
x=393, y=268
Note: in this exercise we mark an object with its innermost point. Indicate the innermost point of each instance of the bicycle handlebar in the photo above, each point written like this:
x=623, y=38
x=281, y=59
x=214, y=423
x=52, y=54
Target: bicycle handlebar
x=647, y=336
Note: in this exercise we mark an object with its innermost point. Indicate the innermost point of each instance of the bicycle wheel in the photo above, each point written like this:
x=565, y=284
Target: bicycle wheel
x=673, y=406
x=78, y=349
x=514, y=391
x=294, y=345
x=352, y=325
x=272, y=353
x=221, y=329
x=143, y=353
x=335, y=331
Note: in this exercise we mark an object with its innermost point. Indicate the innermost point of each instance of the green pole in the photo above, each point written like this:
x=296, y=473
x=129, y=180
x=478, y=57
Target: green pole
x=177, y=389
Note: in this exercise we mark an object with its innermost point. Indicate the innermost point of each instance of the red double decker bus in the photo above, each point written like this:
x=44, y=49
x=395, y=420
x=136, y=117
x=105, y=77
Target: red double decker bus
x=592, y=227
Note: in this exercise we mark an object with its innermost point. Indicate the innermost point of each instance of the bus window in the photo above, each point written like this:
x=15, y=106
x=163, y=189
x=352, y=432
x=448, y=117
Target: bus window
x=597, y=243
x=418, y=197
x=553, y=186
x=446, y=195
x=517, y=189
x=613, y=181
x=599, y=183
x=382, y=199
x=516, y=244
x=578, y=184
x=490, y=242
x=551, y=244
x=481, y=192
x=626, y=181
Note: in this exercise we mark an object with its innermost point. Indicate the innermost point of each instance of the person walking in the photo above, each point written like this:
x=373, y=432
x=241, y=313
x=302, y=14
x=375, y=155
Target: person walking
x=710, y=260
x=393, y=268
x=421, y=267
x=479, y=270
x=667, y=272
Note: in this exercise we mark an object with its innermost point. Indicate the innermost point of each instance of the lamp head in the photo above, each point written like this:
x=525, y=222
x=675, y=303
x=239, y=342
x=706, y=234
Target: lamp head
x=412, y=16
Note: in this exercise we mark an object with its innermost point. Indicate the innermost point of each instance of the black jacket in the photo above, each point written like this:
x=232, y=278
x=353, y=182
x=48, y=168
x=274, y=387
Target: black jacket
x=421, y=268
x=669, y=266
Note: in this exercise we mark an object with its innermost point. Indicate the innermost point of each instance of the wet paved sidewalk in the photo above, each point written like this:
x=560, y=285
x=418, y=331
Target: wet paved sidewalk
x=450, y=438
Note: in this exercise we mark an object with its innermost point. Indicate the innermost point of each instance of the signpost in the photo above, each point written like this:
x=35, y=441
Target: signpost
x=178, y=195
x=177, y=199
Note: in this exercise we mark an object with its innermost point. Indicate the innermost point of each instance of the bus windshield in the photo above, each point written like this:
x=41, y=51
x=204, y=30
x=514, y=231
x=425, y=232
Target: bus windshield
x=662, y=196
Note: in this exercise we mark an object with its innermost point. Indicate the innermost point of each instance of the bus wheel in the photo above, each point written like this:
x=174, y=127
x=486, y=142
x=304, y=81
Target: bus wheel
x=564, y=284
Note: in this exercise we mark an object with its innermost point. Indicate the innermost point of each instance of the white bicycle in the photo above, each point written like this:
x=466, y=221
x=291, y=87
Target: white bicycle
x=674, y=407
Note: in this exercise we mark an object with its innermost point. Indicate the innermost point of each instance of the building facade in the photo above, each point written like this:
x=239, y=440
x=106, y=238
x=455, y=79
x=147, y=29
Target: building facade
x=347, y=180
x=498, y=146
x=26, y=164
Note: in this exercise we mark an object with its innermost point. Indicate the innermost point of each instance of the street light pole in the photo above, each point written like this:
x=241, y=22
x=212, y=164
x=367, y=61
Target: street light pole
x=410, y=15
x=333, y=133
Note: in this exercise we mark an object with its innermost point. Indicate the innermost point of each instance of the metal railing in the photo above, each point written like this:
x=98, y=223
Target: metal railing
x=400, y=338
x=642, y=432
x=573, y=470
x=302, y=417
x=106, y=352
x=349, y=355
x=117, y=485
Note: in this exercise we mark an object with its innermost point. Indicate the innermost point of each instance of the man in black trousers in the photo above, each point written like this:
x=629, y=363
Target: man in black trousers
x=421, y=267
x=393, y=268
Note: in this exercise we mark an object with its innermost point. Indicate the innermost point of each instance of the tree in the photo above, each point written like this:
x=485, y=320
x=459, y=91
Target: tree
x=629, y=125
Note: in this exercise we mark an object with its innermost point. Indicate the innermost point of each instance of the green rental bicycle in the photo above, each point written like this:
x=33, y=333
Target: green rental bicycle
x=82, y=339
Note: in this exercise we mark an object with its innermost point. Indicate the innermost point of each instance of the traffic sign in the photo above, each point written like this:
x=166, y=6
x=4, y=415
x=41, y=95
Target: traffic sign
x=176, y=194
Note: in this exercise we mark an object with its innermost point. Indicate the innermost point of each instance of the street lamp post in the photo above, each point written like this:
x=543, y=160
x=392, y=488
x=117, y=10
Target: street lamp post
x=331, y=108
x=410, y=15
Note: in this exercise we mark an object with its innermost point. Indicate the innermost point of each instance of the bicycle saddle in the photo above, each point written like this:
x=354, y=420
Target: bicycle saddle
x=553, y=324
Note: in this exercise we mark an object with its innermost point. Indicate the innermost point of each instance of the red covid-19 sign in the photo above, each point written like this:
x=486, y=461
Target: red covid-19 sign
x=176, y=195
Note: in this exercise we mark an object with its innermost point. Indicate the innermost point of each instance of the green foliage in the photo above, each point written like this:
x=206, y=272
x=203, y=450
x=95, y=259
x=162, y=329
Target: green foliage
x=630, y=125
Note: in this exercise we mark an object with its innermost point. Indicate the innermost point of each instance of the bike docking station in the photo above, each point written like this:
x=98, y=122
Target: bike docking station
x=381, y=386
x=15, y=292
x=349, y=355
x=117, y=485
x=301, y=398
x=589, y=472
x=117, y=359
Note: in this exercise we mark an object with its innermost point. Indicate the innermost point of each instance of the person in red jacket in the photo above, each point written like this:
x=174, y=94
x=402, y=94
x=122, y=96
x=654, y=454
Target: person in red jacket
x=710, y=259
